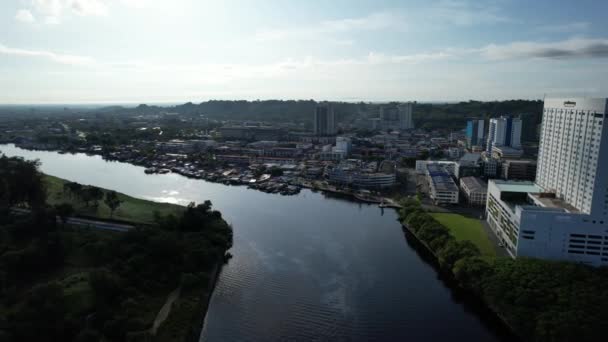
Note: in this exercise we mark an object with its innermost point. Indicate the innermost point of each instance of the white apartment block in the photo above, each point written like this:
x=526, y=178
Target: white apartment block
x=504, y=131
x=573, y=140
x=564, y=215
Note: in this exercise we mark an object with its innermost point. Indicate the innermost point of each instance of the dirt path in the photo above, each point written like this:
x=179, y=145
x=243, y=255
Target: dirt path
x=165, y=310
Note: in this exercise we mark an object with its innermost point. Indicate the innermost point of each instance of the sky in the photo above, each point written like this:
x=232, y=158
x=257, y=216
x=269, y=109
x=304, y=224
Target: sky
x=147, y=51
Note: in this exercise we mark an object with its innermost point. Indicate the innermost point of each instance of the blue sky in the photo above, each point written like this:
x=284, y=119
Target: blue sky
x=92, y=51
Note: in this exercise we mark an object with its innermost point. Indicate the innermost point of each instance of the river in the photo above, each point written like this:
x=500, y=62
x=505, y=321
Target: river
x=305, y=267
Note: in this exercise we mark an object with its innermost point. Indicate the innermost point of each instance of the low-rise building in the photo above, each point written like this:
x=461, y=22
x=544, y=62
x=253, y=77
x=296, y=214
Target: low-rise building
x=355, y=173
x=449, y=166
x=235, y=159
x=251, y=132
x=531, y=222
x=519, y=169
x=469, y=165
x=475, y=190
x=505, y=152
x=442, y=188
x=455, y=152
x=374, y=180
x=331, y=155
x=489, y=166
x=185, y=146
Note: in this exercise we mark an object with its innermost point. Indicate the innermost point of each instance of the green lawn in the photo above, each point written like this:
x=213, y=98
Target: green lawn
x=131, y=209
x=464, y=228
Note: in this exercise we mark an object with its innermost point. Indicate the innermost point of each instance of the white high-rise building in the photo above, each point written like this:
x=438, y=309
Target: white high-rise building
x=572, y=139
x=504, y=131
x=564, y=215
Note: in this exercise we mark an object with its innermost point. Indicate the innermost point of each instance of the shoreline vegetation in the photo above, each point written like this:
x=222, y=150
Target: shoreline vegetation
x=60, y=282
x=538, y=300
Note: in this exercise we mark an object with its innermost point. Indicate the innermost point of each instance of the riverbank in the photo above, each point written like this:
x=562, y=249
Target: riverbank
x=539, y=300
x=68, y=283
x=188, y=312
x=361, y=196
x=481, y=304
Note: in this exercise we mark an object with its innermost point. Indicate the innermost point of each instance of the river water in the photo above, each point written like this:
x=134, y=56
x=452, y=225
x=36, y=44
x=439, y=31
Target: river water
x=305, y=267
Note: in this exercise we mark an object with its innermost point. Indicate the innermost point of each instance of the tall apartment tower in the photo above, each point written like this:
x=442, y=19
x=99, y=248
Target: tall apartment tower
x=475, y=132
x=504, y=131
x=573, y=153
x=324, y=120
x=405, y=116
x=393, y=116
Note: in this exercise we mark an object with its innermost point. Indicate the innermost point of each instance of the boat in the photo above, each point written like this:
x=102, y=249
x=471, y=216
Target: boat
x=264, y=178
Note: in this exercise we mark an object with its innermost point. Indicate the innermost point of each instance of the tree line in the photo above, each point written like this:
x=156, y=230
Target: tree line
x=540, y=300
x=91, y=195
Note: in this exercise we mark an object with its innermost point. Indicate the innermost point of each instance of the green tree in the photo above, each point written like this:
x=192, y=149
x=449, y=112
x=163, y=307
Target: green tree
x=276, y=171
x=456, y=250
x=112, y=201
x=64, y=211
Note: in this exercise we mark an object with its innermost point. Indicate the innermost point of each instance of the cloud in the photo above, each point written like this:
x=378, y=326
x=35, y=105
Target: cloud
x=49, y=8
x=566, y=49
x=24, y=16
x=136, y=3
x=54, y=10
x=54, y=57
x=89, y=7
x=565, y=28
x=440, y=15
x=372, y=22
x=379, y=58
x=464, y=13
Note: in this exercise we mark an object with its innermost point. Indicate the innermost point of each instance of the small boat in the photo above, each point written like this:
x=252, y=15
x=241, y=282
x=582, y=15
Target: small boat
x=264, y=178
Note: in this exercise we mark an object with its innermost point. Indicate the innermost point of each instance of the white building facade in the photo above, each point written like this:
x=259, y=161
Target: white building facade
x=573, y=141
x=504, y=131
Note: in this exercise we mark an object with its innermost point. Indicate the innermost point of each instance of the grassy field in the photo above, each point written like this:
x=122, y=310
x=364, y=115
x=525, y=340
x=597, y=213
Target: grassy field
x=131, y=209
x=464, y=228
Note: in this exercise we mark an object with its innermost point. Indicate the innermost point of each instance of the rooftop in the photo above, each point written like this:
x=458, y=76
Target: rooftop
x=443, y=183
x=474, y=183
x=553, y=203
x=517, y=186
x=470, y=157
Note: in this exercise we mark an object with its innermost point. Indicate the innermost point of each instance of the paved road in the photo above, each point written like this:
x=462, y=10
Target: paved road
x=118, y=227
x=87, y=223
